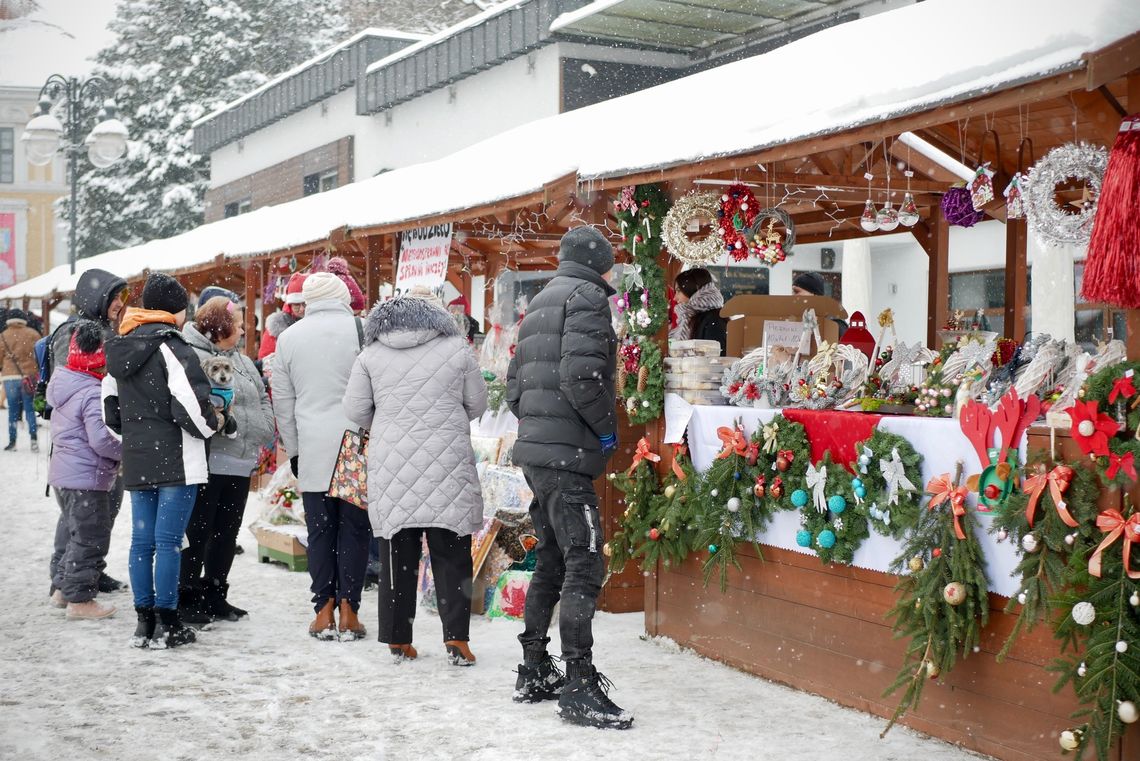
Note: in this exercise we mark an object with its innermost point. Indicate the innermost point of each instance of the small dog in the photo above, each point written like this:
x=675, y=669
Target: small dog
x=220, y=371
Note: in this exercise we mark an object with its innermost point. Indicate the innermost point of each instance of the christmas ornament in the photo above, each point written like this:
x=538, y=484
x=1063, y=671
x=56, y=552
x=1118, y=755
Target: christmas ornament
x=1111, y=272
x=758, y=489
x=670, y=490
x=1082, y=669
x=803, y=538
x=607, y=550
x=1070, y=739
x=733, y=504
x=674, y=229
x=826, y=539
x=954, y=593
x=908, y=212
x=1084, y=613
x=1029, y=543
x=887, y=218
x=817, y=482
x=1002, y=535
x=836, y=503
x=1122, y=646
x=714, y=493
x=936, y=552
x=712, y=549
x=654, y=534
x=1054, y=225
x=932, y=670
x=1127, y=712
x=916, y=564
x=777, y=489
x=1134, y=600
x=799, y=498
x=1092, y=428
x=1021, y=598
x=958, y=208
x=737, y=212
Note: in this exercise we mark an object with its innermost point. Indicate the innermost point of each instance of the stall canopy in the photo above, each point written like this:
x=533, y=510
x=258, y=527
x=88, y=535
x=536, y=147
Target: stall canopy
x=885, y=72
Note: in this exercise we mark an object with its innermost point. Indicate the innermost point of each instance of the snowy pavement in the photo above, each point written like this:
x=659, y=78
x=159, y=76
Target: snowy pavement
x=263, y=689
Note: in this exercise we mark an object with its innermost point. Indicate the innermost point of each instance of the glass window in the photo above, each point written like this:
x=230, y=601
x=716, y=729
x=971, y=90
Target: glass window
x=230, y=210
x=328, y=181
x=311, y=184
x=245, y=207
x=971, y=291
x=7, y=154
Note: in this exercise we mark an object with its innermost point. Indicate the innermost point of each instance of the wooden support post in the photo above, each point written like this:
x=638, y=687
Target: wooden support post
x=253, y=285
x=373, y=269
x=937, y=245
x=1016, y=268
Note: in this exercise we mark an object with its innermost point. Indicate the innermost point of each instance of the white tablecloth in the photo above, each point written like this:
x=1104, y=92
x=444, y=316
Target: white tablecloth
x=940, y=442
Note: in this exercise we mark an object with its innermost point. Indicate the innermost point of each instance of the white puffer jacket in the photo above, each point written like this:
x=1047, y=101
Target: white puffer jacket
x=416, y=386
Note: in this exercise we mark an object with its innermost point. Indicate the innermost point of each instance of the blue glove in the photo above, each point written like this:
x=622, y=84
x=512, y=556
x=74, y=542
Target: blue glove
x=608, y=442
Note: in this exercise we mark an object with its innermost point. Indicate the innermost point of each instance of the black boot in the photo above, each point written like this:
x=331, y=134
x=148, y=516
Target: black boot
x=11, y=446
x=584, y=700
x=192, y=607
x=35, y=445
x=144, y=631
x=169, y=631
x=109, y=584
x=539, y=681
x=218, y=608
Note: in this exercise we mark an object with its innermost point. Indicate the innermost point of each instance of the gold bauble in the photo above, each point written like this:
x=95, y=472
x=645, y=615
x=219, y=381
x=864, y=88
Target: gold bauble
x=916, y=564
x=954, y=593
x=932, y=670
x=670, y=490
x=607, y=550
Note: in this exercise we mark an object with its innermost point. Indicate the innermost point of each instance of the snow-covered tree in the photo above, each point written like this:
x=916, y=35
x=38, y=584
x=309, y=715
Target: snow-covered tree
x=411, y=15
x=172, y=62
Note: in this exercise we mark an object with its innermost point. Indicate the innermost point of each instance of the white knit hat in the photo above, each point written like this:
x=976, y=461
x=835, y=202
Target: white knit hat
x=325, y=286
x=423, y=293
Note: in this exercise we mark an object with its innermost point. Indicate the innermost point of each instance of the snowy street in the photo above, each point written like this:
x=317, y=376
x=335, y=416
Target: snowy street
x=262, y=688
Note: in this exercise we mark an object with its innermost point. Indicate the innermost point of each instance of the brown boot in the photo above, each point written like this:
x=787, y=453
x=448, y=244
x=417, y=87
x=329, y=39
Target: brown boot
x=402, y=652
x=458, y=653
x=324, y=625
x=350, y=628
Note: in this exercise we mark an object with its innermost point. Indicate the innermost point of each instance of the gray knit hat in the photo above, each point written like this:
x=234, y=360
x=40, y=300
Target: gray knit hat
x=586, y=245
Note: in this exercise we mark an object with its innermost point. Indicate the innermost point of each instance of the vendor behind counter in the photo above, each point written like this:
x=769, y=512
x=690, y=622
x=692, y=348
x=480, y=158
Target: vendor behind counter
x=699, y=302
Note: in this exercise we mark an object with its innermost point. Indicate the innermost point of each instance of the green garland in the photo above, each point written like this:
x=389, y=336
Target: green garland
x=640, y=489
x=645, y=405
x=938, y=630
x=672, y=513
x=1099, y=386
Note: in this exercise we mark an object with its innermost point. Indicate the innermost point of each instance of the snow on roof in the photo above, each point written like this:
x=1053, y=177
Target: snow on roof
x=318, y=58
x=443, y=34
x=568, y=18
x=934, y=56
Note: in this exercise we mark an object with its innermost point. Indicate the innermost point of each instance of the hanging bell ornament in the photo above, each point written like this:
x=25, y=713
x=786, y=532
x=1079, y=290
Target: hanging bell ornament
x=870, y=219
x=887, y=217
x=908, y=212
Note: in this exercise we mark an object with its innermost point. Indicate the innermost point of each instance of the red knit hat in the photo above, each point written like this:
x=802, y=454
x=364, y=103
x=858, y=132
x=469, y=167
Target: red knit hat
x=293, y=289
x=85, y=351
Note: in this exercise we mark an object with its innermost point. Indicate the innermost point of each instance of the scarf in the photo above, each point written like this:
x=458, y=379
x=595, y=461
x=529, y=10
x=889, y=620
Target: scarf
x=134, y=317
x=706, y=299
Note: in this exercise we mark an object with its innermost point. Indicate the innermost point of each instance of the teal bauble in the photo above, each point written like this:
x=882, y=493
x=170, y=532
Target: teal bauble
x=712, y=549
x=826, y=539
x=799, y=498
x=860, y=492
x=803, y=538
x=856, y=483
x=836, y=503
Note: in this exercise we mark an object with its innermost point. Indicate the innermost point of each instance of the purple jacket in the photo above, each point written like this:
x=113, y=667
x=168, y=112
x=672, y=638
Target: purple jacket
x=85, y=454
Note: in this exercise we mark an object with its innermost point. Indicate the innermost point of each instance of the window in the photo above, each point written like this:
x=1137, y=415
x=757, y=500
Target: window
x=7, y=154
x=230, y=210
x=319, y=182
x=234, y=208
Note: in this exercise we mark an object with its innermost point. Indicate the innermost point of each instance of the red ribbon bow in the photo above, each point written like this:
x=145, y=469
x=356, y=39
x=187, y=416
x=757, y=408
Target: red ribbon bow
x=733, y=440
x=643, y=452
x=679, y=450
x=787, y=454
x=1102, y=429
x=1122, y=386
x=941, y=489
x=1058, y=480
x=1127, y=461
x=1113, y=523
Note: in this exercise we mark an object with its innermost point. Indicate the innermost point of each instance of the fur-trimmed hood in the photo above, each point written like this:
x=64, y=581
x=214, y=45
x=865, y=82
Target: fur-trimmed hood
x=403, y=322
x=276, y=323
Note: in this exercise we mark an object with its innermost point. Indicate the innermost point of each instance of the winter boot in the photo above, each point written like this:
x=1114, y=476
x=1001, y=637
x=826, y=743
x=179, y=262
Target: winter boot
x=350, y=628
x=11, y=446
x=539, y=681
x=324, y=625
x=89, y=610
x=57, y=599
x=192, y=607
x=35, y=445
x=169, y=631
x=144, y=631
x=109, y=584
x=458, y=653
x=402, y=652
x=218, y=608
x=584, y=700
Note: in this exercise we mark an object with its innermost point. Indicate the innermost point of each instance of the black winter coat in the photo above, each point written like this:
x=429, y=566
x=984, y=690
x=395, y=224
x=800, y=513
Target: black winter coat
x=91, y=300
x=157, y=398
x=560, y=383
x=710, y=326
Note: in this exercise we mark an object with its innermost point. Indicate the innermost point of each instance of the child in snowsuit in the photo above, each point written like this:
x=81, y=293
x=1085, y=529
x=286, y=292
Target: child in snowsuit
x=84, y=466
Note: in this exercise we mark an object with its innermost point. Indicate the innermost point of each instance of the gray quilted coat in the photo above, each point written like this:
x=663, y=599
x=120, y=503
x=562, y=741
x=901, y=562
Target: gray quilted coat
x=416, y=387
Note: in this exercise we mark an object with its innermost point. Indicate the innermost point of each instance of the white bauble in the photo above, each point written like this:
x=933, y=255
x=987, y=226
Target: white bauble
x=1070, y=740
x=714, y=493
x=1134, y=600
x=1084, y=613
x=1082, y=669
x=1086, y=428
x=1029, y=543
x=1127, y=712
x=733, y=505
x=1122, y=646
x=1021, y=598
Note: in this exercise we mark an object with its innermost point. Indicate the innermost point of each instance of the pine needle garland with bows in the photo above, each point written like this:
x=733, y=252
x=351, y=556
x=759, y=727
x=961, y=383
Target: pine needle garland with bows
x=639, y=485
x=943, y=593
x=672, y=514
x=1106, y=672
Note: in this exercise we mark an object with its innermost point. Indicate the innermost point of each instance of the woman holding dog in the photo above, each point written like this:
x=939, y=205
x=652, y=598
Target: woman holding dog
x=218, y=511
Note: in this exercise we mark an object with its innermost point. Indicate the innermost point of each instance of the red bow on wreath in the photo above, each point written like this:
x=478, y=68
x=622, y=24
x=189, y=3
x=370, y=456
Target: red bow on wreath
x=1092, y=428
x=643, y=452
x=1122, y=386
x=1116, y=462
x=679, y=450
x=941, y=489
x=1058, y=480
x=787, y=454
x=1112, y=522
x=733, y=440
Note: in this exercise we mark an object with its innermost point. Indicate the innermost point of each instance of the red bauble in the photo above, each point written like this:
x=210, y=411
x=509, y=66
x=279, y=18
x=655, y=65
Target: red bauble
x=992, y=491
x=654, y=534
x=782, y=464
x=937, y=552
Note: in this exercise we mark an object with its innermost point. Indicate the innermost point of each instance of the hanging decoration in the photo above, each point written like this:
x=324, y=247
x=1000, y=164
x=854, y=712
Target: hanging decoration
x=869, y=220
x=765, y=242
x=639, y=487
x=1052, y=224
x=1112, y=270
x=908, y=211
x=1014, y=192
x=696, y=253
x=737, y=213
x=887, y=217
x=958, y=207
x=982, y=194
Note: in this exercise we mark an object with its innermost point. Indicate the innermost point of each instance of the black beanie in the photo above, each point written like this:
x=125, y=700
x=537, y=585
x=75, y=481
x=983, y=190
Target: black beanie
x=810, y=282
x=586, y=245
x=164, y=293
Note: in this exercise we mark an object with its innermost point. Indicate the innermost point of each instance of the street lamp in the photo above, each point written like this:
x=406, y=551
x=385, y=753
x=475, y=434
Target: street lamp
x=45, y=135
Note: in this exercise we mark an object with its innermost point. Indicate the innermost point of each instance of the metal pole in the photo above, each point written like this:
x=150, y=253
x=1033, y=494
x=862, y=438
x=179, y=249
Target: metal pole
x=72, y=165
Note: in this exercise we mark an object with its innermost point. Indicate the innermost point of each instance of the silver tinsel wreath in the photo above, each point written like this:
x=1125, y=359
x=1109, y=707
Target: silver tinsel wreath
x=697, y=252
x=1053, y=225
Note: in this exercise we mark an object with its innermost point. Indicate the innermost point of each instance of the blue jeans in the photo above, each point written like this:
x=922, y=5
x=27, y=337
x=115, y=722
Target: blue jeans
x=17, y=401
x=159, y=517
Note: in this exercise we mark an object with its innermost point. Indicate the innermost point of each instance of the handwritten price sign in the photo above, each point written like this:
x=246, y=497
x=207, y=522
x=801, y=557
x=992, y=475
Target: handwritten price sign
x=423, y=257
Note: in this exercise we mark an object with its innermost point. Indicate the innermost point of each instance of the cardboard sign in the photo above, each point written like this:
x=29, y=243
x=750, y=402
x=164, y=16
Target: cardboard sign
x=423, y=258
x=747, y=316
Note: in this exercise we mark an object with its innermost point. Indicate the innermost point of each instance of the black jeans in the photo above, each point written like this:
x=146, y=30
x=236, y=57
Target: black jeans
x=338, y=548
x=89, y=520
x=212, y=536
x=63, y=529
x=570, y=563
x=399, y=569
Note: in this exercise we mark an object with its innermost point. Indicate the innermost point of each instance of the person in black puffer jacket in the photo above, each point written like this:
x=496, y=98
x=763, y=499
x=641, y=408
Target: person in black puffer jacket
x=699, y=302
x=157, y=398
x=560, y=385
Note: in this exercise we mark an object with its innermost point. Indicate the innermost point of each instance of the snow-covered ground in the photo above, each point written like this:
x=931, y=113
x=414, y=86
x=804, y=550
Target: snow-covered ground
x=263, y=689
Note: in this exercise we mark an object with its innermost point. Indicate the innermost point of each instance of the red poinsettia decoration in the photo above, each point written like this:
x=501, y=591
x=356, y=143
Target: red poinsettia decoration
x=751, y=392
x=630, y=354
x=734, y=387
x=1092, y=428
x=1122, y=388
